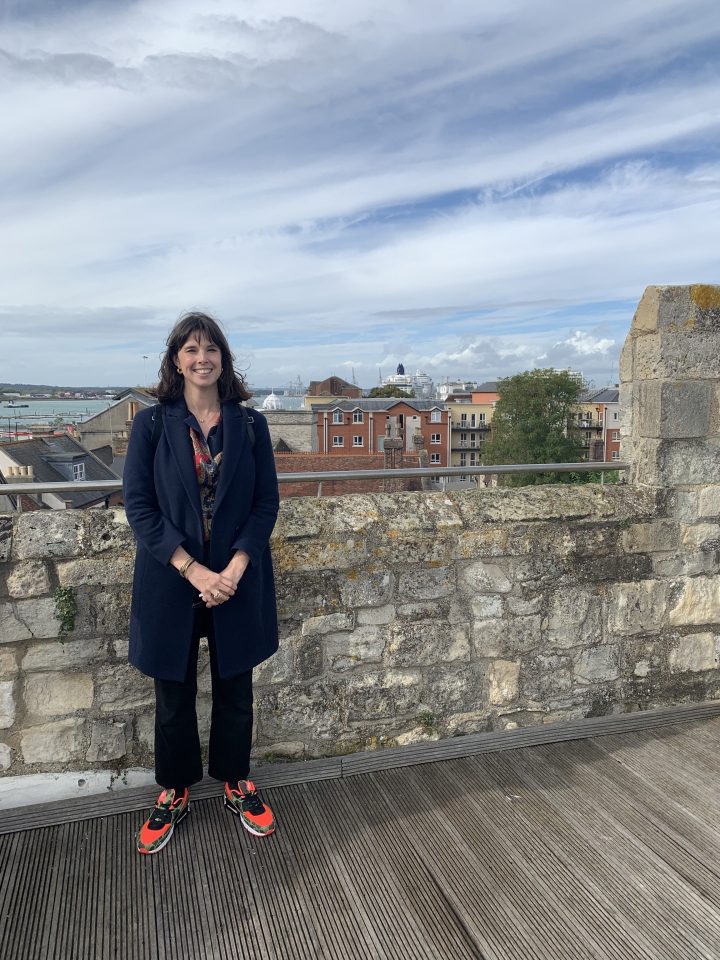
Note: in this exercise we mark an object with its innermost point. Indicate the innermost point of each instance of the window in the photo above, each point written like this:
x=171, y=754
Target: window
x=78, y=471
x=434, y=458
x=463, y=459
x=357, y=416
x=338, y=442
x=338, y=417
x=436, y=416
x=481, y=417
x=463, y=419
x=357, y=441
x=473, y=460
x=615, y=414
x=615, y=455
x=616, y=434
x=434, y=438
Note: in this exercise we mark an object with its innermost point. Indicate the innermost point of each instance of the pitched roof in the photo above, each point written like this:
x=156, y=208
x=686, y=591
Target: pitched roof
x=140, y=396
x=35, y=454
x=379, y=404
x=603, y=395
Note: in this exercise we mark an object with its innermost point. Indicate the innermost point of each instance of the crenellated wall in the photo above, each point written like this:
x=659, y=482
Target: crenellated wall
x=408, y=616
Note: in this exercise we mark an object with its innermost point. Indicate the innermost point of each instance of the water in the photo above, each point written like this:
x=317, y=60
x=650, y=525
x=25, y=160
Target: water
x=45, y=411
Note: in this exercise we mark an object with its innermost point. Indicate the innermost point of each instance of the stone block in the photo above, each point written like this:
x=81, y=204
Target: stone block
x=488, y=637
x=482, y=577
x=411, y=548
x=705, y=306
x=502, y=678
x=343, y=651
x=49, y=533
x=681, y=505
x=279, y=668
x=58, y=742
x=651, y=537
x=96, y=571
x=121, y=687
x=524, y=606
x=523, y=635
x=701, y=536
x=331, y=623
x=375, y=615
x=57, y=694
x=107, y=742
x=694, y=654
x=486, y=606
x=7, y=704
x=367, y=588
x=8, y=664
x=709, y=502
x=674, y=410
x=145, y=731
x=626, y=361
x=636, y=607
x=110, y=611
x=5, y=757
x=695, y=601
x=299, y=519
x=427, y=643
x=28, y=620
x=426, y=584
x=382, y=693
x=300, y=555
x=597, y=664
x=574, y=618
x=483, y=542
x=62, y=655
x=108, y=530
x=357, y=513
x=545, y=677
x=29, y=578
x=6, y=531
x=646, y=315
x=310, y=711
x=455, y=688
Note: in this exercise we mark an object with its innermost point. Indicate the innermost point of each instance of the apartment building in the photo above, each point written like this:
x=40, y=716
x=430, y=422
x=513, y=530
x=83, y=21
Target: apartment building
x=597, y=423
x=360, y=426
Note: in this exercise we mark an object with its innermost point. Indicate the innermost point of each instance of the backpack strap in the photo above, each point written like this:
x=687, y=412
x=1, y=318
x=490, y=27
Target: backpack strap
x=158, y=419
x=248, y=425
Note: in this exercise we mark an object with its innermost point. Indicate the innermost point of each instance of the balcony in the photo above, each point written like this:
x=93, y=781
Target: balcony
x=471, y=426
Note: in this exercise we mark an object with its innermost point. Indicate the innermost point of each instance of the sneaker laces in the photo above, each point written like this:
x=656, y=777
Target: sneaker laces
x=251, y=803
x=162, y=814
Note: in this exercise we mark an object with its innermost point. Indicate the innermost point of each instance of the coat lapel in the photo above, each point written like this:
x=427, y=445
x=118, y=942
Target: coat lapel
x=179, y=439
x=234, y=440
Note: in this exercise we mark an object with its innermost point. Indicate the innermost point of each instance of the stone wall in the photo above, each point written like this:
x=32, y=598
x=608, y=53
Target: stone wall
x=298, y=428
x=415, y=615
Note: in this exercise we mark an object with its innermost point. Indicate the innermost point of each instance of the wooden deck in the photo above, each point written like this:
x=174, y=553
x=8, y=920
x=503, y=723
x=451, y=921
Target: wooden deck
x=598, y=848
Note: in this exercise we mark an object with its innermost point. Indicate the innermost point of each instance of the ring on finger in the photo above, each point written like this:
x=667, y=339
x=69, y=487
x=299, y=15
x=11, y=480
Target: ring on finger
x=216, y=594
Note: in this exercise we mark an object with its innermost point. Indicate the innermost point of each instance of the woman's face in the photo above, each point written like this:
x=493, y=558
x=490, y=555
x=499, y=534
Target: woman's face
x=200, y=361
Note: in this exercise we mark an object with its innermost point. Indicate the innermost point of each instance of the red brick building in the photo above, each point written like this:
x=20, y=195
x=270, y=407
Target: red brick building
x=360, y=427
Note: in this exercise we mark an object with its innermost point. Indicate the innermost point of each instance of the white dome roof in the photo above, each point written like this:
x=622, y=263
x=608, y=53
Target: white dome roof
x=271, y=402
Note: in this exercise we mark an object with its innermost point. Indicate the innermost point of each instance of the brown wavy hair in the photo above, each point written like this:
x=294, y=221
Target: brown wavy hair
x=231, y=385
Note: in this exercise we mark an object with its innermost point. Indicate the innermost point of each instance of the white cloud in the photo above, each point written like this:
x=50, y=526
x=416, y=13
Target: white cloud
x=355, y=179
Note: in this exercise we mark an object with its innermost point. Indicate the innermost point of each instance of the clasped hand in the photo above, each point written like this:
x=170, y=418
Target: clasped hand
x=217, y=588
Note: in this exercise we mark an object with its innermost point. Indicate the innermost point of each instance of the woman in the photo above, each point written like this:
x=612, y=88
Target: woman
x=201, y=497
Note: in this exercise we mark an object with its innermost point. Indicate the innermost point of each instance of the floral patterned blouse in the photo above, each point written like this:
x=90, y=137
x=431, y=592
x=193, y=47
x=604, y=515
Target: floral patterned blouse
x=207, y=457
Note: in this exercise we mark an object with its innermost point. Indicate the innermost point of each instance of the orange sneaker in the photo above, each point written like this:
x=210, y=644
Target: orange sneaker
x=158, y=828
x=241, y=799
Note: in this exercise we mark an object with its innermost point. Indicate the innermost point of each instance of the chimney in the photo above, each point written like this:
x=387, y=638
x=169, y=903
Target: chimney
x=19, y=475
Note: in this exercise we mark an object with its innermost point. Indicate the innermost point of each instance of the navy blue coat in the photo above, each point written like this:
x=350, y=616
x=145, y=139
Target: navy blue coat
x=162, y=504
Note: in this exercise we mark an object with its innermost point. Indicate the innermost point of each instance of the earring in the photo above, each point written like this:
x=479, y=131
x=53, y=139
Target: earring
x=178, y=369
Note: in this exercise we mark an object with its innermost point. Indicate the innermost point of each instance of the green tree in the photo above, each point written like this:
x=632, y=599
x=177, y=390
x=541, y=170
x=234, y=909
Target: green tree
x=390, y=391
x=530, y=425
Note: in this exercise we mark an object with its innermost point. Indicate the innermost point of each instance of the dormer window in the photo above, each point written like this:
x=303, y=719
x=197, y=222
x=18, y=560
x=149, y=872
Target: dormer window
x=78, y=471
x=337, y=416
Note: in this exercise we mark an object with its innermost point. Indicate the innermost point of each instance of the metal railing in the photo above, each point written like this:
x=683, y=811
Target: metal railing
x=33, y=488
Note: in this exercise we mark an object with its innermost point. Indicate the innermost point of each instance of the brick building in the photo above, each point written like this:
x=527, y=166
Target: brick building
x=360, y=426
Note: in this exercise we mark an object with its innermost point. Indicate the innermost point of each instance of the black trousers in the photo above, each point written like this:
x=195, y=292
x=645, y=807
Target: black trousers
x=177, y=742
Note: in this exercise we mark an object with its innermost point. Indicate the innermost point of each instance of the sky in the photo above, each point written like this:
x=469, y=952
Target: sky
x=471, y=189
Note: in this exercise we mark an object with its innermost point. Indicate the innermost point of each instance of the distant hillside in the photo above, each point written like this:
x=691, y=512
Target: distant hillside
x=32, y=388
